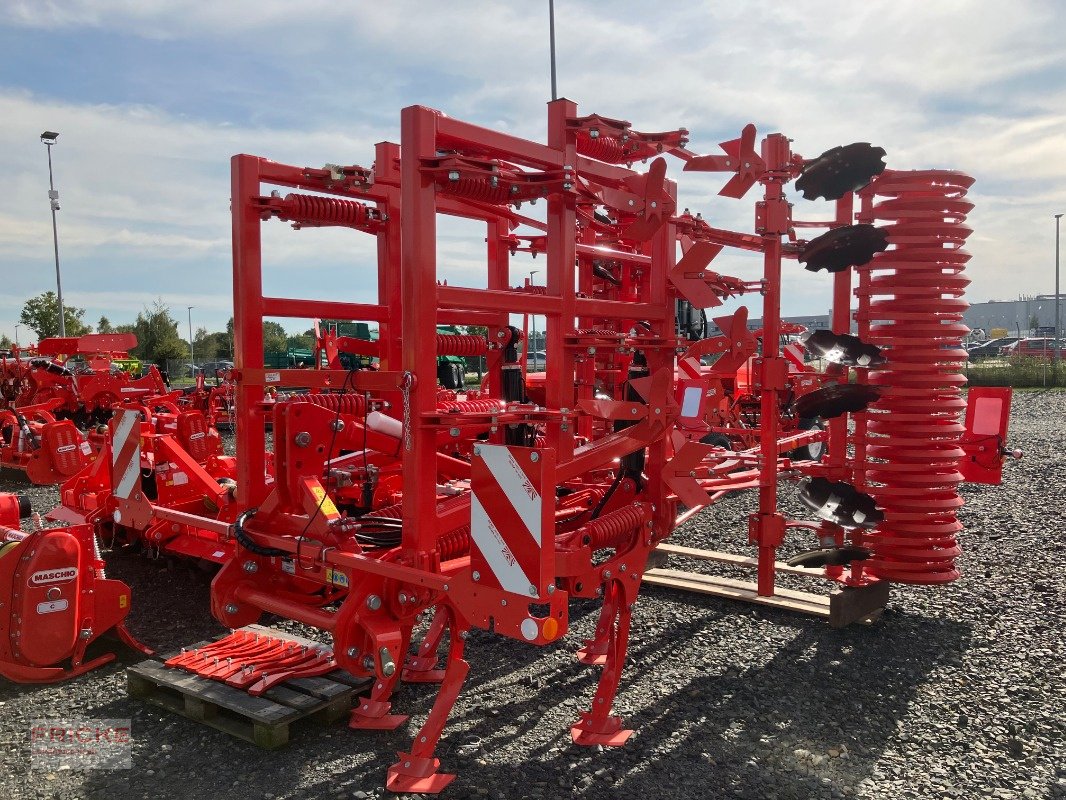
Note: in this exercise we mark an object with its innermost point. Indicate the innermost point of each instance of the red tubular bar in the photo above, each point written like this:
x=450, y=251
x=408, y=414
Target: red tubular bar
x=913, y=309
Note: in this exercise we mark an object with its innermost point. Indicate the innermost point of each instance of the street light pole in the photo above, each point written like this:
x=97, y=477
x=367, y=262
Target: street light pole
x=1058, y=325
x=49, y=139
x=533, y=322
x=17, y=336
x=192, y=352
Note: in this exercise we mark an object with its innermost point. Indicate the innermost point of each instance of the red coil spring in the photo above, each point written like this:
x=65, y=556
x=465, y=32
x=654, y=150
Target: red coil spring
x=478, y=189
x=484, y=406
x=461, y=345
x=597, y=332
x=608, y=149
x=311, y=210
x=911, y=297
x=614, y=528
x=453, y=544
x=341, y=403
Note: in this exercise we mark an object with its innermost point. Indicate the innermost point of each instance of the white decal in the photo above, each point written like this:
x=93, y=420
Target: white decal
x=497, y=554
x=52, y=606
x=58, y=575
x=516, y=486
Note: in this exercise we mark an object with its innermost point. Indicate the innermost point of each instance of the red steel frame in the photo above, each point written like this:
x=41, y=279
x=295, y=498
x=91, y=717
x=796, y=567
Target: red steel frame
x=595, y=466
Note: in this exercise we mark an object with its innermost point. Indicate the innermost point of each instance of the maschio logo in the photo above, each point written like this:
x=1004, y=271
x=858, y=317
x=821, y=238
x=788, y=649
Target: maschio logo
x=46, y=576
x=66, y=448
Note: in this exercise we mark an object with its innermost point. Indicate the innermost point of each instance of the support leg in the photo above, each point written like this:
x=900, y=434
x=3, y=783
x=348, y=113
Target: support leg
x=416, y=771
x=598, y=726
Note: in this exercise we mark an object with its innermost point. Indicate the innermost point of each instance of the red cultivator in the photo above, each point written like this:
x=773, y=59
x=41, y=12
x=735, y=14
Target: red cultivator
x=386, y=496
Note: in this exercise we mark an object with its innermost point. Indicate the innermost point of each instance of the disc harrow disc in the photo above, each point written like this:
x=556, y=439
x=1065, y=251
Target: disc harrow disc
x=840, y=170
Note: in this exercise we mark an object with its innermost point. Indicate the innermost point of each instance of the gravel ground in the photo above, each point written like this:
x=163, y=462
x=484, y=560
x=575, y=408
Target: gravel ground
x=955, y=692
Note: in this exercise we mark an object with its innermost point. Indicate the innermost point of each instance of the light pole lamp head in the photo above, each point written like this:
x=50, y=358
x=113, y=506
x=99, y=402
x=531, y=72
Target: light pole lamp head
x=49, y=137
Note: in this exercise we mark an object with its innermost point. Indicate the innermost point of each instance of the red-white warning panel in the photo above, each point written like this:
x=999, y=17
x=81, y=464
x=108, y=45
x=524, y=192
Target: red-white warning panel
x=512, y=518
x=132, y=508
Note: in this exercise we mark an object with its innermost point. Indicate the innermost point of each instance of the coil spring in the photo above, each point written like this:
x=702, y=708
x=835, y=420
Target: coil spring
x=461, y=345
x=453, y=544
x=911, y=306
x=478, y=189
x=311, y=210
x=472, y=406
x=614, y=528
x=597, y=332
x=608, y=149
x=341, y=403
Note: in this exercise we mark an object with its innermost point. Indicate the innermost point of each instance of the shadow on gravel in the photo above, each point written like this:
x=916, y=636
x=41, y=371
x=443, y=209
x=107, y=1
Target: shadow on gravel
x=705, y=728
x=722, y=732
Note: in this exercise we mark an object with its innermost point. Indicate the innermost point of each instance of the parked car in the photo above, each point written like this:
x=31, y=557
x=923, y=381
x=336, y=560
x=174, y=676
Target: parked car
x=1035, y=348
x=990, y=348
x=536, y=360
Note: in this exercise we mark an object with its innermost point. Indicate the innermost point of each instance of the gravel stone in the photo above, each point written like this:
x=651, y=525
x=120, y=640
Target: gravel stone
x=955, y=692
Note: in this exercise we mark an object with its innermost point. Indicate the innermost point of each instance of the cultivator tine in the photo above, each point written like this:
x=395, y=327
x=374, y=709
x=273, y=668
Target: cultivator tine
x=257, y=677
x=598, y=726
x=422, y=666
x=416, y=770
x=594, y=651
x=372, y=712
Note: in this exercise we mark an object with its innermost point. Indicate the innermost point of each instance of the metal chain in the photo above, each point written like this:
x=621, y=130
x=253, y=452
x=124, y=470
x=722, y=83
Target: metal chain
x=408, y=381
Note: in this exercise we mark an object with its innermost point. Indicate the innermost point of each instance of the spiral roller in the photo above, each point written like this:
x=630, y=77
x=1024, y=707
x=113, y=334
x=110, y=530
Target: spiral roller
x=911, y=306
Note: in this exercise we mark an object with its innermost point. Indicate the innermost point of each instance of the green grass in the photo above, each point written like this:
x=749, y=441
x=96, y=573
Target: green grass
x=1020, y=373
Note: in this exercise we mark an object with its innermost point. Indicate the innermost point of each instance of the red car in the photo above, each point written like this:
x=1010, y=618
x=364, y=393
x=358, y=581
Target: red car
x=1035, y=348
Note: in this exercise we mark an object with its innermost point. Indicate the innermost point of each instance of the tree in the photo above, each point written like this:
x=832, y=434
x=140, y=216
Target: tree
x=275, y=340
x=104, y=326
x=205, y=345
x=158, y=339
x=41, y=314
x=300, y=342
x=5, y=343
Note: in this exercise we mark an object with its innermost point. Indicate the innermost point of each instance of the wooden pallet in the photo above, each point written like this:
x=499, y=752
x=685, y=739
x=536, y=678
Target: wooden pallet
x=842, y=606
x=264, y=720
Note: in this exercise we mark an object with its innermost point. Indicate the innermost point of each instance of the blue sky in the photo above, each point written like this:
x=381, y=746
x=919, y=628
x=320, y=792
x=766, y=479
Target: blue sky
x=151, y=98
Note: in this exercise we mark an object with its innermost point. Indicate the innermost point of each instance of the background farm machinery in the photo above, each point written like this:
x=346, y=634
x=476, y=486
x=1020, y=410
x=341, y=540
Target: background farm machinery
x=387, y=495
x=58, y=397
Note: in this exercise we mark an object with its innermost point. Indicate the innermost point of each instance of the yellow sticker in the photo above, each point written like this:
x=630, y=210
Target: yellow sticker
x=336, y=577
x=325, y=505
x=123, y=600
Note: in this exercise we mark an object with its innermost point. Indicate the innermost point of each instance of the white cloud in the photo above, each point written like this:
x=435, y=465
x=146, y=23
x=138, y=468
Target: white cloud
x=959, y=85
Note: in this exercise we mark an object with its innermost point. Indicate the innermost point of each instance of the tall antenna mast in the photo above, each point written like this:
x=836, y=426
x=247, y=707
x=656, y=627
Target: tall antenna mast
x=551, y=38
